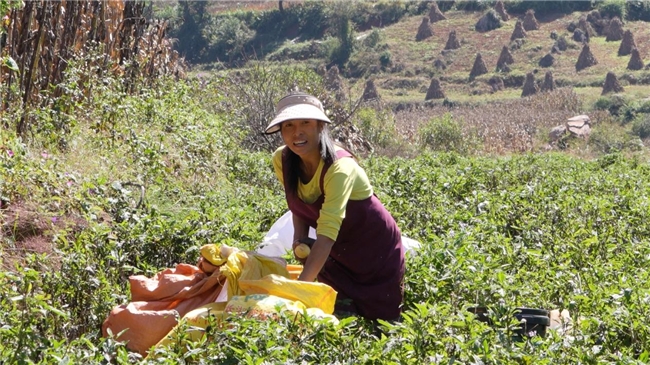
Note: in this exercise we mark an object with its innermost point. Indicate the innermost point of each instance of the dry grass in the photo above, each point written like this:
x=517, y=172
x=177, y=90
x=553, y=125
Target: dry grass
x=501, y=126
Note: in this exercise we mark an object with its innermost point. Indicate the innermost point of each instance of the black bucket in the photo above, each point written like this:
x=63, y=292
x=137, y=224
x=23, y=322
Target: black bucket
x=534, y=322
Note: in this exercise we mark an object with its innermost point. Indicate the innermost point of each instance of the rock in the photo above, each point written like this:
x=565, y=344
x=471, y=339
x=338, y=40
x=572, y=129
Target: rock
x=556, y=133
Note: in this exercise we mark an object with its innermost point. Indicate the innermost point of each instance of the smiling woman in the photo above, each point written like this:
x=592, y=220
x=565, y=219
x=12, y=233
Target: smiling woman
x=358, y=249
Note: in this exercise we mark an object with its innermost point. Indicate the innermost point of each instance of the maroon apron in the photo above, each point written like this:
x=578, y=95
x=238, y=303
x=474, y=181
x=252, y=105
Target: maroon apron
x=366, y=264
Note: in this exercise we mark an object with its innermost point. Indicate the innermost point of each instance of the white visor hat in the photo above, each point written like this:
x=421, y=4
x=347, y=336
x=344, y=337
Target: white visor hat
x=297, y=106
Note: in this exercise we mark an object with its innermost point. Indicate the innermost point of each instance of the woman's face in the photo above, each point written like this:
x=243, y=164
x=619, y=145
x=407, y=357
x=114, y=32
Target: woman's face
x=301, y=136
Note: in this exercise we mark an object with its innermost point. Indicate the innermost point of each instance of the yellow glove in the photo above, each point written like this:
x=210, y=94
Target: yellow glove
x=212, y=253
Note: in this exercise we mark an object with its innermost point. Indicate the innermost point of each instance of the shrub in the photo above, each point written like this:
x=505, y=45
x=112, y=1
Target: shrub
x=546, y=7
x=373, y=39
x=641, y=126
x=612, y=8
x=638, y=10
x=377, y=126
x=385, y=58
x=613, y=103
x=443, y=134
x=607, y=139
x=227, y=36
x=472, y=5
x=346, y=45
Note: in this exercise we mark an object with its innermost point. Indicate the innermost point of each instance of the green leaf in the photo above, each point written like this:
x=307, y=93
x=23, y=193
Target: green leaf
x=11, y=64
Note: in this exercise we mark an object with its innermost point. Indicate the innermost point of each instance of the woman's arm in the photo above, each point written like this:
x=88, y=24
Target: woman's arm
x=320, y=251
x=300, y=228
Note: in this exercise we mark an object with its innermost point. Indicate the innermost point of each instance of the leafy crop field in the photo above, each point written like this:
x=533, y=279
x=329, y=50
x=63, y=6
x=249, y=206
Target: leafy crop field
x=536, y=230
x=133, y=180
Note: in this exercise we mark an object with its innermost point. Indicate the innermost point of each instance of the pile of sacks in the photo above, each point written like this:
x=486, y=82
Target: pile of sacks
x=224, y=282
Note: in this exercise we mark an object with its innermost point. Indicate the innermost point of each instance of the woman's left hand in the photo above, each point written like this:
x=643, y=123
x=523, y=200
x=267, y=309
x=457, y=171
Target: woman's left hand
x=320, y=251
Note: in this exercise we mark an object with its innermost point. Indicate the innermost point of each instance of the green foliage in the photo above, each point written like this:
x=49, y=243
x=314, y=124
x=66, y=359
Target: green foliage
x=346, y=39
x=547, y=7
x=192, y=41
x=641, y=126
x=612, y=8
x=227, y=36
x=472, y=5
x=611, y=139
x=370, y=57
x=373, y=39
x=377, y=126
x=613, y=103
x=309, y=20
x=444, y=134
x=638, y=10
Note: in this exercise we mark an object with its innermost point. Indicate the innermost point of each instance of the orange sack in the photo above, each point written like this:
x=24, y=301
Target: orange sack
x=158, y=302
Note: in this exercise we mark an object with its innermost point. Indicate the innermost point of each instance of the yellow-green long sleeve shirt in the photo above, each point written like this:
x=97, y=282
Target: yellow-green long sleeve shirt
x=344, y=180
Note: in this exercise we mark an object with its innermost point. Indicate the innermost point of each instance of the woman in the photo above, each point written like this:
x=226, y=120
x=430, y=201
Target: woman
x=358, y=249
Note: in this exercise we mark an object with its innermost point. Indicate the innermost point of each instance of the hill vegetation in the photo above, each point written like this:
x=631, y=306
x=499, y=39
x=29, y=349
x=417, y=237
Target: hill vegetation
x=125, y=170
x=385, y=49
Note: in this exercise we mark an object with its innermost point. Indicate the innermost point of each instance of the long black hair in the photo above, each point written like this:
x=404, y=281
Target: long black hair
x=327, y=153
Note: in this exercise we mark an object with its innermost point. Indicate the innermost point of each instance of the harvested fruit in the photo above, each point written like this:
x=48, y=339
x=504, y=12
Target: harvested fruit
x=302, y=251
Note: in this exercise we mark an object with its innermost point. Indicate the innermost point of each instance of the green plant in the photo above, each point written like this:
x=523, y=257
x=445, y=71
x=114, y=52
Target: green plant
x=377, y=126
x=443, y=134
x=346, y=40
x=227, y=37
x=613, y=104
x=641, y=126
x=612, y=8
x=637, y=10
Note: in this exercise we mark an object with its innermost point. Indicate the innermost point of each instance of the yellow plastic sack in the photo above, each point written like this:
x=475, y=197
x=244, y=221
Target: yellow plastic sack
x=312, y=295
x=262, y=306
x=249, y=265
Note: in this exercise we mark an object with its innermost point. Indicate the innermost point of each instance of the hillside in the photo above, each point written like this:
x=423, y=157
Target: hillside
x=402, y=69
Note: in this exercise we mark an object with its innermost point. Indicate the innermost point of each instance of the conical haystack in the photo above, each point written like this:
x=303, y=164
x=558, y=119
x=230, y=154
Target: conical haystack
x=496, y=83
x=561, y=43
x=435, y=91
x=611, y=84
x=334, y=82
x=425, y=31
x=479, y=67
x=505, y=59
x=452, y=42
x=435, y=15
x=614, y=30
x=586, y=58
x=439, y=64
x=580, y=36
x=627, y=44
x=636, y=62
x=519, y=32
x=530, y=22
x=370, y=91
x=333, y=79
x=597, y=22
x=530, y=87
x=549, y=82
x=586, y=27
x=501, y=10
x=547, y=61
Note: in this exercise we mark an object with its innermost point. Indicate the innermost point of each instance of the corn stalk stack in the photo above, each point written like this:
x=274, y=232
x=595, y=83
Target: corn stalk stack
x=41, y=38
